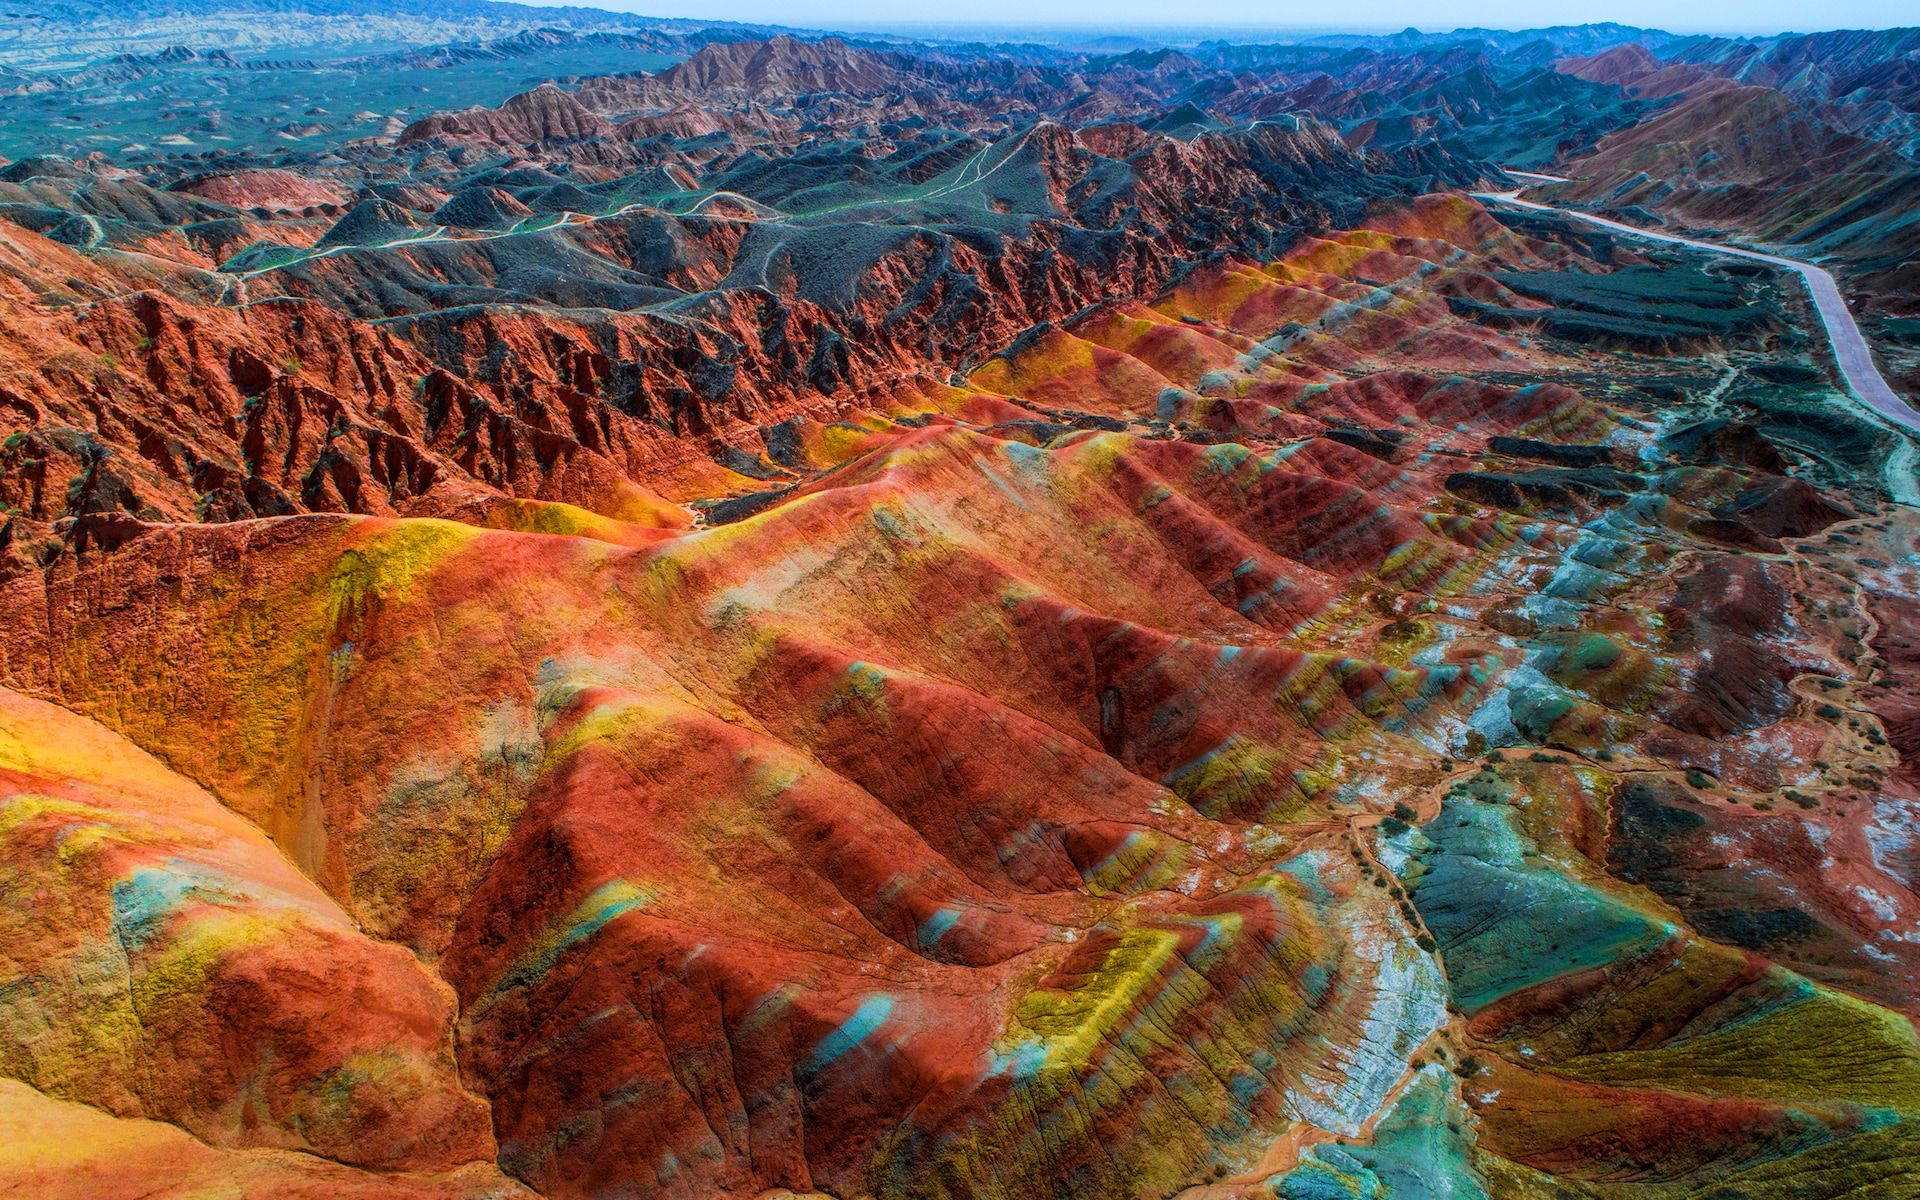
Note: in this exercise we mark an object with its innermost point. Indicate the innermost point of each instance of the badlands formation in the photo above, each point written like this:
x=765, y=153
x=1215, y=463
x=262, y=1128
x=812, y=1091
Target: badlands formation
x=800, y=616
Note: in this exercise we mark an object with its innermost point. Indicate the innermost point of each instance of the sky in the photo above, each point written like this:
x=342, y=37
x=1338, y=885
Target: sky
x=1126, y=16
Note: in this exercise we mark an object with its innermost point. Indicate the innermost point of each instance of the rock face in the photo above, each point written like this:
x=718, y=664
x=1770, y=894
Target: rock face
x=169, y=963
x=940, y=623
x=1752, y=160
x=784, y=66
x=57, y=1148
x=1237, y=720
x=269, y=189
x=1807, y=142
x=740, y=319
x=543, y=115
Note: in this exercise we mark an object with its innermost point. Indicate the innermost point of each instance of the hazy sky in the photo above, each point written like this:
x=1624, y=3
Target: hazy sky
x=1719, y=16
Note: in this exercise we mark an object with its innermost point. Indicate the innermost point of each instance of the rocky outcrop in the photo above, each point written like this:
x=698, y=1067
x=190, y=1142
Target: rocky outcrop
x=511, y=372
x=273, y=190
x=782, y=66
x=545, y=114
x=943, y=624
x=176, y=967
x=1315, y=805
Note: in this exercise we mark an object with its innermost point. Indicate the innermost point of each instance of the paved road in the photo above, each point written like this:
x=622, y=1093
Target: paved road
x=1849, y=344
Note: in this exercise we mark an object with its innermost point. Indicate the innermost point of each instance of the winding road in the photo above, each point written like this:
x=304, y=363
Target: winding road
x=1850, y=349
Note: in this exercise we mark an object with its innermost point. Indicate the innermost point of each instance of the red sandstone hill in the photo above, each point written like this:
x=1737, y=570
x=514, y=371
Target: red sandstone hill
x=786, y=66
x=1619, y=66
x=777, y=69
x=863, y=639
x=1634, y=69
x=1748, y=135
x=297, y=406
x=1097, y=745
x=268, y=188
x=1753, y=160
x=545, y=114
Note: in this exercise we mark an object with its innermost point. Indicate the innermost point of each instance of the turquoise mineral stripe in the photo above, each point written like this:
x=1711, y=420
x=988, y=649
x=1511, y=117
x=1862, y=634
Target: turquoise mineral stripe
x=856, y=1029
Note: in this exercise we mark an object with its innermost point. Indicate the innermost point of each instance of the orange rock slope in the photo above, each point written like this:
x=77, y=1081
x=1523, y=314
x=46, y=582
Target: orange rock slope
x=1285, y=739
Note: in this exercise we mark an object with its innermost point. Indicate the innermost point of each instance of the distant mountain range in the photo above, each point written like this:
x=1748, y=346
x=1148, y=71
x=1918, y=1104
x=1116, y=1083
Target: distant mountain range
x=67, y=33
x=1572, y=39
